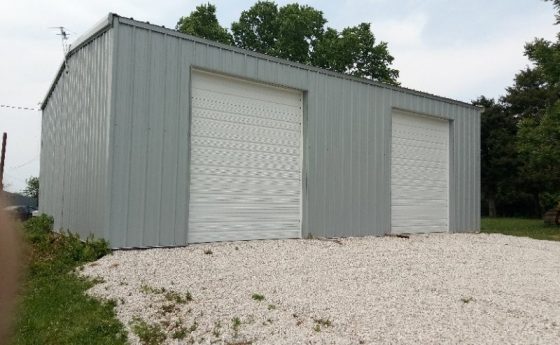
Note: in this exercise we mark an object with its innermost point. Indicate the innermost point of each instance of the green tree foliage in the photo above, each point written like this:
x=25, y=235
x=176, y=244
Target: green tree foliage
x=289, y=32
x=498, y=152
x=203, y=23
x=32, y=188
x=257, y=28
x=298, y=33
x=557, y=7
x=354, y=51
x=532, y=103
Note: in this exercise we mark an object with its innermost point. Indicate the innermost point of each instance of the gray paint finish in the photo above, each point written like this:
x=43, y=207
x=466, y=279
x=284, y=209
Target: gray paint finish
x=74, y=141
x=347, y=126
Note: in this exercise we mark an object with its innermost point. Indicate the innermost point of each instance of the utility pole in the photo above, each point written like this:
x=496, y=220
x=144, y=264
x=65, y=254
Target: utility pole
x=2, y=159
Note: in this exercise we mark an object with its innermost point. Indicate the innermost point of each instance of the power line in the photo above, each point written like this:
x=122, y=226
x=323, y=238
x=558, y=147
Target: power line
x=18, y=107
x=24, y=164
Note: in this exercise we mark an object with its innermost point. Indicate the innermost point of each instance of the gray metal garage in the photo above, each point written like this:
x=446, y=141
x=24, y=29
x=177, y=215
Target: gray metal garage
x=155, y=138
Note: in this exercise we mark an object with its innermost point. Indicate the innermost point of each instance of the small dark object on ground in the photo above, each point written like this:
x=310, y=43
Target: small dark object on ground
x=552, y=216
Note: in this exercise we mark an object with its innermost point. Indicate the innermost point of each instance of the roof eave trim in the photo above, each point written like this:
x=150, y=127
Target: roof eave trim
x=175, y=33
x=103, y=25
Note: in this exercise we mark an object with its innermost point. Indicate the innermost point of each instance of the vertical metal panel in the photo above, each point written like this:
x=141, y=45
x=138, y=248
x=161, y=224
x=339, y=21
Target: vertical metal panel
x=74, y=154
x=347, y=143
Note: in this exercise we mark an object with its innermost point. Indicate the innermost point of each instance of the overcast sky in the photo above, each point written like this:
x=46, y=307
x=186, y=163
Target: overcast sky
x=457, y=49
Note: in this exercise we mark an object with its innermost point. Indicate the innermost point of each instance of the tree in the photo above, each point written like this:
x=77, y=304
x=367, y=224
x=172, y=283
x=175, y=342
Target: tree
x=298, y=33
x=32, y=188
x=539, y=150
x=498, y=155
x=529, y=96
x=289, y=32
x=556, y=4
x=257, y=28
x=353, y=51
x=534, y=102
x=202, y=22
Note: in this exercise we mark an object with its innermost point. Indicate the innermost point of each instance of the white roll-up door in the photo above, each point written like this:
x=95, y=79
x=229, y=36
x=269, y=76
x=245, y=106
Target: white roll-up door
x=419, y=174
x=246, y=160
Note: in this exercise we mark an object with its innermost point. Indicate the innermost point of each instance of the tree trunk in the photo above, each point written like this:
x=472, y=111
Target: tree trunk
x=538, y=209
x=491, y=207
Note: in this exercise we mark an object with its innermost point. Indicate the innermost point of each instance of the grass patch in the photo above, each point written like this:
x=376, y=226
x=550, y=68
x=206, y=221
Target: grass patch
x=176, y=297
x=149, y=334
x=179, y=334
x=321, y=323
x=235, y=324
x=257, y=297
x=147, y=289
x=533, y=228
x=53, y=306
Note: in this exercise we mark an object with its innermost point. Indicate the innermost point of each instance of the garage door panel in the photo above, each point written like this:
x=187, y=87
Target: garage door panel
x=419, y=229
x=238, y=135
x=213, y=153
x=247, y=105
x=416, y=163
x=217, y=129
x=415, y=173
x=251, y=91
x=243, y=146
x=419, y=174
x=424, y=195
x=233, y=171
x=249, y=120
x=421, y=154
x=245, y=160
x=210, y=162
x=244, y=181
x=231, y=234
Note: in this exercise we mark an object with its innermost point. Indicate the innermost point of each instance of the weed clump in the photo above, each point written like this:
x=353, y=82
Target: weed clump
x=149, y=334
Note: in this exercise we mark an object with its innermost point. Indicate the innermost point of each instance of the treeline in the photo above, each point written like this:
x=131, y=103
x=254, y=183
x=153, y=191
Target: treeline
x=297, y=33
x=520, y=139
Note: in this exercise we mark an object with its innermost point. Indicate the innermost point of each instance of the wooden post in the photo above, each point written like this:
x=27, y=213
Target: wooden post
x=2, y=159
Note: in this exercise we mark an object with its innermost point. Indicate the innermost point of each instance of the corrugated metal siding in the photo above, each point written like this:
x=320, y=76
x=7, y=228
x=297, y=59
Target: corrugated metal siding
x=150, y=149
x=74, y=146
x=347, y=141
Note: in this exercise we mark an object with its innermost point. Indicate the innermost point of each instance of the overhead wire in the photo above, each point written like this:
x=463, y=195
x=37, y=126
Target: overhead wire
x=18, y=107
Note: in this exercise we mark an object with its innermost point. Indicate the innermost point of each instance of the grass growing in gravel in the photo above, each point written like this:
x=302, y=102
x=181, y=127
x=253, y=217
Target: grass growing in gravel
x=54, y=308
x=533, y=228
x=174, y=296
x=257, y=297
x=147, y=289
x=149, y=334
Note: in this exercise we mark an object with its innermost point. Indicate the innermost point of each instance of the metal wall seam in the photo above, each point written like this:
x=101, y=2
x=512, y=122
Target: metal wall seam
x=73, y=149
x=347, y=140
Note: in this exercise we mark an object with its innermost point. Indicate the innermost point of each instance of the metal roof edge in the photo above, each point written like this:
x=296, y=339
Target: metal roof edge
x=99, y=28
x=164, y=30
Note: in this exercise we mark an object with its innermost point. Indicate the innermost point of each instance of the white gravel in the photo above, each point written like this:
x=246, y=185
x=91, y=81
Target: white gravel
x=444, y=289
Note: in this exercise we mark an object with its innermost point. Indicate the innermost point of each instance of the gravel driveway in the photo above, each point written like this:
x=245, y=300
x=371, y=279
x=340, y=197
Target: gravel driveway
x=444, y=289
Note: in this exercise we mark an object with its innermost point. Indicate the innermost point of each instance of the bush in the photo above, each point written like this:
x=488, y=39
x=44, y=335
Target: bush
x=59, y=251
x=41, y=223
x=54, y=307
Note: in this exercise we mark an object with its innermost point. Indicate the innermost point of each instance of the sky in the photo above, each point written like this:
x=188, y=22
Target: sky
x=457, y=49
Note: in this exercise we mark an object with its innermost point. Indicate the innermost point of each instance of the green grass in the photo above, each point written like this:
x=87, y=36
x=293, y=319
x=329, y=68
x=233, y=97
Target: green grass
x=534, y=228
x=53, y=307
